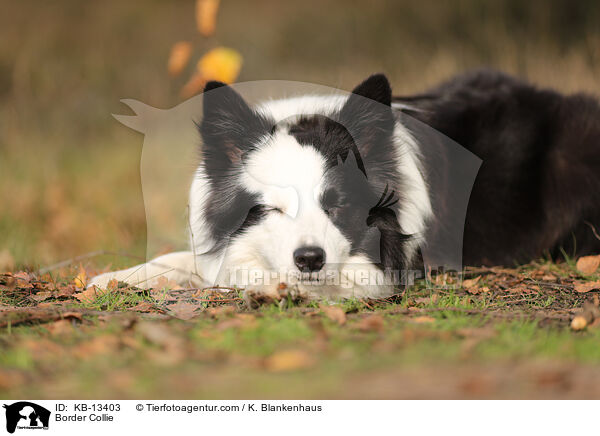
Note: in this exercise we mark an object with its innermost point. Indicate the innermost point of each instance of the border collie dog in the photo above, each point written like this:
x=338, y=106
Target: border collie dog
x=323, y=195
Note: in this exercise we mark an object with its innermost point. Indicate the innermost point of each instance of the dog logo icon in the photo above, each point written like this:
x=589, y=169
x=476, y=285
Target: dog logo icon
x=26, y=415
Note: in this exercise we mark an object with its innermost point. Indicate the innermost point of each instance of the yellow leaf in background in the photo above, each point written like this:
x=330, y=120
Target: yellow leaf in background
x=179, y=57
x=221, y=63
x=193, y=86
x=81, y=279
x=206, y=16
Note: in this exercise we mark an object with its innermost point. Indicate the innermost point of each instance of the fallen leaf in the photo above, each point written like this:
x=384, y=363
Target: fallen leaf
x=41, y=296
x=586, y=286
x=334, y=313
x=588, y=264
x=183, y=310
x=206, y=16
x=221, y=63
x=371, y=323
x=89, y=295
x=81, y=279
x=65, y=291
x=470, y=283
x=289, y=360
x=179, y=57
x=72, y=315
x=477, y=290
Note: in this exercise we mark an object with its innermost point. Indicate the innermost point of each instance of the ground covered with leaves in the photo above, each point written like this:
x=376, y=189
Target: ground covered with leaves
x=527, y=332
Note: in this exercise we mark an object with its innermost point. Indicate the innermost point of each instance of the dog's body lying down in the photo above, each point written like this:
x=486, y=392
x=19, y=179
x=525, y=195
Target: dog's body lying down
x=316, y=192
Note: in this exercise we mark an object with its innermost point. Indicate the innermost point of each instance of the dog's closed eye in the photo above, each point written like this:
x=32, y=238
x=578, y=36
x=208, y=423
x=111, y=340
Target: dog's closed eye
x=268, y=208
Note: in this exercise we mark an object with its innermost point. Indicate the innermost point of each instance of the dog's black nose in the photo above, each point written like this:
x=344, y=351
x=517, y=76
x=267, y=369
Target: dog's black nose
x=309, y=259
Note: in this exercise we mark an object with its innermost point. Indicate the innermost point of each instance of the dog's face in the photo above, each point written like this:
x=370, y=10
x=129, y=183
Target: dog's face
x=304, y=194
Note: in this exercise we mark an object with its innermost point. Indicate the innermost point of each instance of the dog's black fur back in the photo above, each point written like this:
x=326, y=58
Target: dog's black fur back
x=538, y=189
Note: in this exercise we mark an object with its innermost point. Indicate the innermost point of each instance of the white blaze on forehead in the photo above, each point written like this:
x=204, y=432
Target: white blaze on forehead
x=285, y=173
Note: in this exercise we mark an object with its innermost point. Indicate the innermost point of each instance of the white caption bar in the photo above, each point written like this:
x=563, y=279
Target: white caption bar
x=293, y=417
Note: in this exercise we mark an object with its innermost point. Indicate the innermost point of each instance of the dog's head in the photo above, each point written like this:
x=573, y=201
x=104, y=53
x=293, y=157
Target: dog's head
x=308, y=185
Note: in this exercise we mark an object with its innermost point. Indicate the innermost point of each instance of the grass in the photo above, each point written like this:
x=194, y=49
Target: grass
x=429, y=342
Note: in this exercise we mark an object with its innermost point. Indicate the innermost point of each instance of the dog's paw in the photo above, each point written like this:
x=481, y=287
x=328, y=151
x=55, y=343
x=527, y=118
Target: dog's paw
x=255, y=296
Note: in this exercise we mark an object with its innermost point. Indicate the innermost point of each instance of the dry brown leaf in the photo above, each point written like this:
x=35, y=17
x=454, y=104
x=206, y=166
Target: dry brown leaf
x=72, y=315
x=65, y=291
x=586, y=286
x=206, y=16
x=470, y=283
x=588, y=264
x=179, y=57
x=371, y=323
x=477, y=290
x=89, y=295
x=334, y=313
x=183, y=310
x=289, y=360
x=41, y=296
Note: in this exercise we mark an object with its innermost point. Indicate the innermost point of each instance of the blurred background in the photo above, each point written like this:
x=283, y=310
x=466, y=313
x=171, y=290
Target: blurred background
x=69, y=173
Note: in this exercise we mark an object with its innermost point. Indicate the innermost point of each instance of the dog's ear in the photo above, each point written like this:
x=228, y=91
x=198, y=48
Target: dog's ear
x=368, y=115
x=229, y=126
x=377, y=88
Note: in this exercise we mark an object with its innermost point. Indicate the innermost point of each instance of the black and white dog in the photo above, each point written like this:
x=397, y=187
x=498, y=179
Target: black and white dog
x=319, y=192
